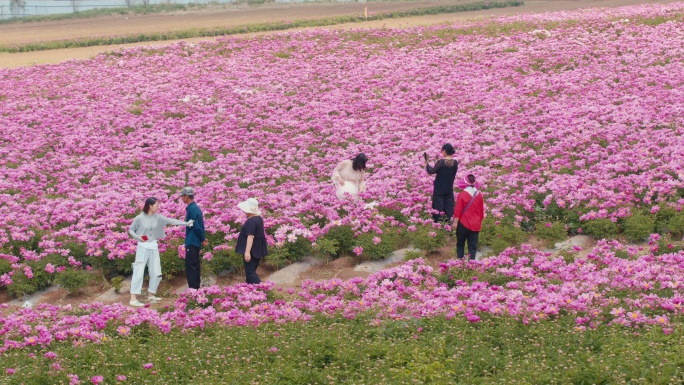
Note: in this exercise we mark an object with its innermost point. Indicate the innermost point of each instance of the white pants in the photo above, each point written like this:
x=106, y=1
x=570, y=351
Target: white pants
x=146, y=254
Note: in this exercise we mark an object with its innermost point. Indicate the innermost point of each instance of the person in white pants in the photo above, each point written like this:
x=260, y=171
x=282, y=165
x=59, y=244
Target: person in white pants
x=147, y=228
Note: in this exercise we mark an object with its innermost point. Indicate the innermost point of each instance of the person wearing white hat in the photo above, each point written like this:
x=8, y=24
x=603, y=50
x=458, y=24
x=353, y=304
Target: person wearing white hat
x=251, y=242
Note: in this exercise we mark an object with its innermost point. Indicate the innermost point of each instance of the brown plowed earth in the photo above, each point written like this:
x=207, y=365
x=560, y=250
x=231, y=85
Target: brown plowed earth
x=22, y=33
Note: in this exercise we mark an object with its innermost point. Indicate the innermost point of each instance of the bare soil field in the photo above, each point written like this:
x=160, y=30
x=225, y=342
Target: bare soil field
x=185, y=20
x=222, y=17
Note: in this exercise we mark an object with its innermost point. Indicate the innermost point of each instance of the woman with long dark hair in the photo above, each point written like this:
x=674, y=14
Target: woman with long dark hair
x=349, y=177
x=443, y=192
x=147, y=228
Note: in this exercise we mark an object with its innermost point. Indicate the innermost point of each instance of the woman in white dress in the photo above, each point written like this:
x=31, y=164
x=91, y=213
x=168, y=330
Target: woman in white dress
x=348, y=177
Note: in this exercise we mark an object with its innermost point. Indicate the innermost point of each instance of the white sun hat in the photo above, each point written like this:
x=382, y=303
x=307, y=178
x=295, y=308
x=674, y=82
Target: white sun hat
x=250, y=206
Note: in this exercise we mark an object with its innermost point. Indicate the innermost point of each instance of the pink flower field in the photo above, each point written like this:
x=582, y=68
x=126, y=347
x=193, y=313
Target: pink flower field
x=570, y=120
x=616, y=285
x=579, y=112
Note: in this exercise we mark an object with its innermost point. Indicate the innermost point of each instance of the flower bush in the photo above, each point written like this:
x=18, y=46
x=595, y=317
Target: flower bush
x=638, y=227
x=551, y=232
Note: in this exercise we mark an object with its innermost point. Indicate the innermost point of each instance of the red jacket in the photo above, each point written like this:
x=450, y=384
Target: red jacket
x=472, y=220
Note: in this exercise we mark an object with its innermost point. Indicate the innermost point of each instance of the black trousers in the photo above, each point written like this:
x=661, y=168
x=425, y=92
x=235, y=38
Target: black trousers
x=250, y=270
x=192, y=266
x=443, y=203
x=464, y=234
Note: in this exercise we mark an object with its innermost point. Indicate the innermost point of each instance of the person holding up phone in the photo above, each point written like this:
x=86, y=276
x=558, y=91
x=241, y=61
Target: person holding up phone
x=147, y=228
x=443, y=191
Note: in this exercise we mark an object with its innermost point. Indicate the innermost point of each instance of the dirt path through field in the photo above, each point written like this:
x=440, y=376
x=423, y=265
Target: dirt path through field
x=111, y=25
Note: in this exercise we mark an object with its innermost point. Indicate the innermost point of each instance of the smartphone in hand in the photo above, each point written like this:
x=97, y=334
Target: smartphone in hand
x=144, y=238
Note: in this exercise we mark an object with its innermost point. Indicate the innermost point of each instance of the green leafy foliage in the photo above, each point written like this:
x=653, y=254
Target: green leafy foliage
x=601, y=228
x=638, y=227
x=675, y=224
x=328, y=349
x=298, y=249
x=325, y=249
x=226, y=261
x=413, y=254
x=376, y=251
x=41, y=278
x=171, y=262
x=117, y=283
x=343, y=236
x=427, y=238
x=551, y=232
x=5, y=266
x=500, y=236
x=73, y=280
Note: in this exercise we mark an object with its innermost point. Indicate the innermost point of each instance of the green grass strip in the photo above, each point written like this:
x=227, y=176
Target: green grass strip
x=341, y=351
x=260, y=27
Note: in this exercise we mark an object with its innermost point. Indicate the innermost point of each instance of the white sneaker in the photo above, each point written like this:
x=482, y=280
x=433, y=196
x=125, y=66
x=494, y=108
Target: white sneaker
x=153, y=298
x=136, y=303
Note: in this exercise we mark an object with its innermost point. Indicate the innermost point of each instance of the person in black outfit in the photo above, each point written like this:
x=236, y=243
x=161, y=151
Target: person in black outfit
x=443, y=193
x=252, y=239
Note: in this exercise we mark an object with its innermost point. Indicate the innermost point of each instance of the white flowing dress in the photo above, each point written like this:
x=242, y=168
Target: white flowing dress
x=348, y=182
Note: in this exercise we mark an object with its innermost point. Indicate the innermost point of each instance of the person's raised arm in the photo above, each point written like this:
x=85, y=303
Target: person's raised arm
x=175, y=222
x=433, y=170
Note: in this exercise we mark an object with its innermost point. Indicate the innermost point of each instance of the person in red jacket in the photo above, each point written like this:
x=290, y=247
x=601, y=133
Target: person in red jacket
x=468, y=215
